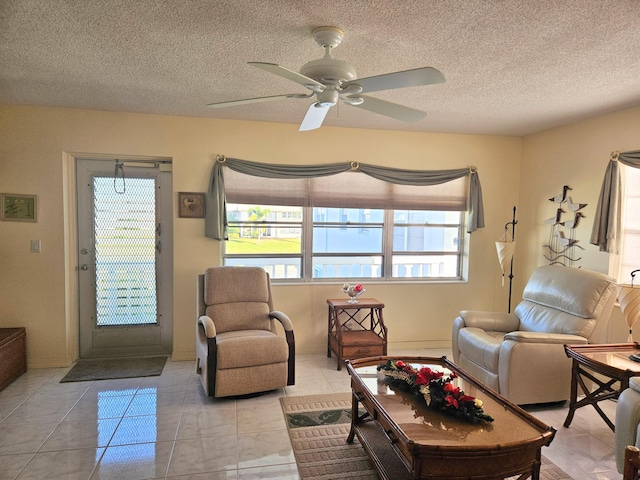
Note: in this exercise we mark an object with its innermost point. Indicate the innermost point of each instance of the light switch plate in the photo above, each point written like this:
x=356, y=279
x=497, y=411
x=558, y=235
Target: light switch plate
x=35, y=246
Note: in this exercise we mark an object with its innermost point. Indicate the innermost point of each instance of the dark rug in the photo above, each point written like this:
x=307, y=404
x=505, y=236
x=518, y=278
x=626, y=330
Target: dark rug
x=318, y=427
x=110, y=368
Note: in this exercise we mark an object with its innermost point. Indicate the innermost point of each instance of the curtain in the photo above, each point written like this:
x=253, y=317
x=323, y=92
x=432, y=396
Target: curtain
x=606, y=225
x=216, y=217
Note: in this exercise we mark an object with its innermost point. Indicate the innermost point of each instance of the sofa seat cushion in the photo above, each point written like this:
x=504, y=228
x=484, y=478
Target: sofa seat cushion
x=481, y=347
x=248, y=348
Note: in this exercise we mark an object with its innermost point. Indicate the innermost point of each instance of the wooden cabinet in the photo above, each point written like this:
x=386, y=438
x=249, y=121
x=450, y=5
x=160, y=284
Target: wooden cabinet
x=13, y=354
x=356, y=330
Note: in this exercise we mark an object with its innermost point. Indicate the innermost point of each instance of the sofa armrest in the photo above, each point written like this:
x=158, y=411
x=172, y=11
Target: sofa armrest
x=492, y=321
x=543, y=337
x=282, y=317
x=208, y=326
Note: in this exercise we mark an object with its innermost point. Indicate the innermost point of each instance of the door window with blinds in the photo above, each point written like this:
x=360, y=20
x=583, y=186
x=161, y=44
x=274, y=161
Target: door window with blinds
x=345, y=226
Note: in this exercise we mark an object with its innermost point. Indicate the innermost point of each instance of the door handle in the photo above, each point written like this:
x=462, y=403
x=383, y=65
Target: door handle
x=84, y=267
x=84, y=251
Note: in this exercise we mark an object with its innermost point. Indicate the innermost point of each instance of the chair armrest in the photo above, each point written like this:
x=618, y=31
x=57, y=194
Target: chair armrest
x=492, y=321
x=209, y=327
x=543, y=337
x=286, y=322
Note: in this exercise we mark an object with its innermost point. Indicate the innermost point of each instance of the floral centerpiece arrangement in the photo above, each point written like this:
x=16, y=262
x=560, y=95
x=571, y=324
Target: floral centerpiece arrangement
x=435, y=389
x=354, y=291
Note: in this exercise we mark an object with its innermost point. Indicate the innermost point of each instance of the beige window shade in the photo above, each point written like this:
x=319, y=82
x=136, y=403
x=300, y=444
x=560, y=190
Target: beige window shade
x=350, y=189
x=249, y=189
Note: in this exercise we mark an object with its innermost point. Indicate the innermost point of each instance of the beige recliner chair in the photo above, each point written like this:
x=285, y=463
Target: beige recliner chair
x=238, y=348
x=521, y=354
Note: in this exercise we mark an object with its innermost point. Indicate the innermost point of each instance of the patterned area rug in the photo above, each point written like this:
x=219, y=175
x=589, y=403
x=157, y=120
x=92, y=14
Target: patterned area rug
x=106, y=369
x=318, y=427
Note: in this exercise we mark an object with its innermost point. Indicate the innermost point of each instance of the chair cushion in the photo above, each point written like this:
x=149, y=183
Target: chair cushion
x=229, y=317
x=481, y=347
x=578, y=292
x=247, y=348
x=243, y=303
x=241, y=284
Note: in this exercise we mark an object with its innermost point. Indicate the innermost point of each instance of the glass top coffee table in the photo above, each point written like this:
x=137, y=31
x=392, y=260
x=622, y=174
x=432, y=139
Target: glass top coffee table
x=608, y=360
x=406, y=439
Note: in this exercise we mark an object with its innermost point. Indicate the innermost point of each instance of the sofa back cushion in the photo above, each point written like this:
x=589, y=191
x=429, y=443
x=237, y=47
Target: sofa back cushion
x=237, y=298
x=565, y=300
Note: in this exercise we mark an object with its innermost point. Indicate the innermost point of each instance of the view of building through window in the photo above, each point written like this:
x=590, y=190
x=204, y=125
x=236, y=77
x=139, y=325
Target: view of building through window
x=344, y=242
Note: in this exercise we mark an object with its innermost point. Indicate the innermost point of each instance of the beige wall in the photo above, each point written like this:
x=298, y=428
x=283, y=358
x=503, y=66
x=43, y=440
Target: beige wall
x=37, y=290
x=574, y=155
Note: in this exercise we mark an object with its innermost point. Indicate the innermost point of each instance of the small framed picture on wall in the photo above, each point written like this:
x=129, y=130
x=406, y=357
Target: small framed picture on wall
x=19, y=208
x=191, y=205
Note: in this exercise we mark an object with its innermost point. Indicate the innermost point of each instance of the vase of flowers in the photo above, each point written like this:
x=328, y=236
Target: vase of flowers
x=353, y=291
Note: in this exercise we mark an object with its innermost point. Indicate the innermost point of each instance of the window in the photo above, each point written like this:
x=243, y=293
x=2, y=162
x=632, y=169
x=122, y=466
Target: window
x=348, y=225
x=630, y=246
x=345, y=242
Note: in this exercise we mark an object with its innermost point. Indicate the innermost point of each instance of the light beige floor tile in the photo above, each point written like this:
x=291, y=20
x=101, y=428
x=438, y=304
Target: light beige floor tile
x=208, y=423
x=102, y=407
x=75, y=435
x=256, y=417
x=62, y=465
x=11, y=465
x=146, y=429
x=264, y=448
x=276, y=472
x=201, y=455
x=134, y=462
x=18, y=438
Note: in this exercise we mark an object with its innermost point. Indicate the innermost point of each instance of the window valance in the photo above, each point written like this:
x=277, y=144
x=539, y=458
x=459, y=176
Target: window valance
x=606, y=225
x=310, y=185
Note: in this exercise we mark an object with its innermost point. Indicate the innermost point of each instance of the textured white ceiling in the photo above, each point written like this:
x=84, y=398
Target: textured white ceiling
x=512, y=67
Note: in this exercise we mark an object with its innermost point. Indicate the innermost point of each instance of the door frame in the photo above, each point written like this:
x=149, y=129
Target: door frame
x=71, y=264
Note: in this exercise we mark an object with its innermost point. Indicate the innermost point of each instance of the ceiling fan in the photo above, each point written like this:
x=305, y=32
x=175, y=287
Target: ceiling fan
x=331, y=80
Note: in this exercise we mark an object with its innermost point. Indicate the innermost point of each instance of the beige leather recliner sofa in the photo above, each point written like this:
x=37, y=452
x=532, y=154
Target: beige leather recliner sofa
x=521, y=354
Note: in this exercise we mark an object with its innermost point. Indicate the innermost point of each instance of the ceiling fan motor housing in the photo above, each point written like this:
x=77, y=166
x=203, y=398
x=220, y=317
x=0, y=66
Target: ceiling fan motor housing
x=328, y=70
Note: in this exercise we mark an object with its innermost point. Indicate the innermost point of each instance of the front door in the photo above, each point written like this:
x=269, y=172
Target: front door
x=124, y=257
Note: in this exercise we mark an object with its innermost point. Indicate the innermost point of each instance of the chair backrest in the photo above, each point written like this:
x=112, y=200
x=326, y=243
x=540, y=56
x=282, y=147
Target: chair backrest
x=237, y=298
x=567, y=300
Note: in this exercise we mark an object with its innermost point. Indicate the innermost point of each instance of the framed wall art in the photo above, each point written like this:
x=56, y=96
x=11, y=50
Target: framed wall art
x=19, y=208
x=191, y=205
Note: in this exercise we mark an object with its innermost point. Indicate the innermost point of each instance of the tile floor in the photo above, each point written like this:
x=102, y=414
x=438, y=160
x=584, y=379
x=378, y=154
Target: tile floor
x=164, y=427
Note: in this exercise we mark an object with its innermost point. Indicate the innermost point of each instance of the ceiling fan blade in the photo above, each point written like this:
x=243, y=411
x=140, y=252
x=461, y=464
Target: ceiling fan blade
x=389, y=109
x=233, y=103
x=404, y=79
x=314, y=117
x=276, y=69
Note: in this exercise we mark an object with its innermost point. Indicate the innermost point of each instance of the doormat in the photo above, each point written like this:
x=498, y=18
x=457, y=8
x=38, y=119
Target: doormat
x=318, y=426
x=109, y=368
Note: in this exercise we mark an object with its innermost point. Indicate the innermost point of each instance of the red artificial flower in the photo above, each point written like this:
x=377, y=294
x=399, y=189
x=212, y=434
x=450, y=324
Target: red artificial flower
x=456, y=392
x=451, y=402
x=429, y=374
x=467, y=398
x=399, y=364
x=448, y=388
x=358, y=287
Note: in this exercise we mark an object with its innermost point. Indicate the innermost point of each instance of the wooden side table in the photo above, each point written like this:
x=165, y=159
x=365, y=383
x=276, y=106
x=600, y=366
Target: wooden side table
x=593, y=362
x=356, y=330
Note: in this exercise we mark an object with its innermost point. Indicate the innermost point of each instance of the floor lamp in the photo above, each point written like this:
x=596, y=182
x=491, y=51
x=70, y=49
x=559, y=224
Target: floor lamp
x=505, y=248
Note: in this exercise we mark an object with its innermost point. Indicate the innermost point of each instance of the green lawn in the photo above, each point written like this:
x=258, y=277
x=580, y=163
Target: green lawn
x=237, y=245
